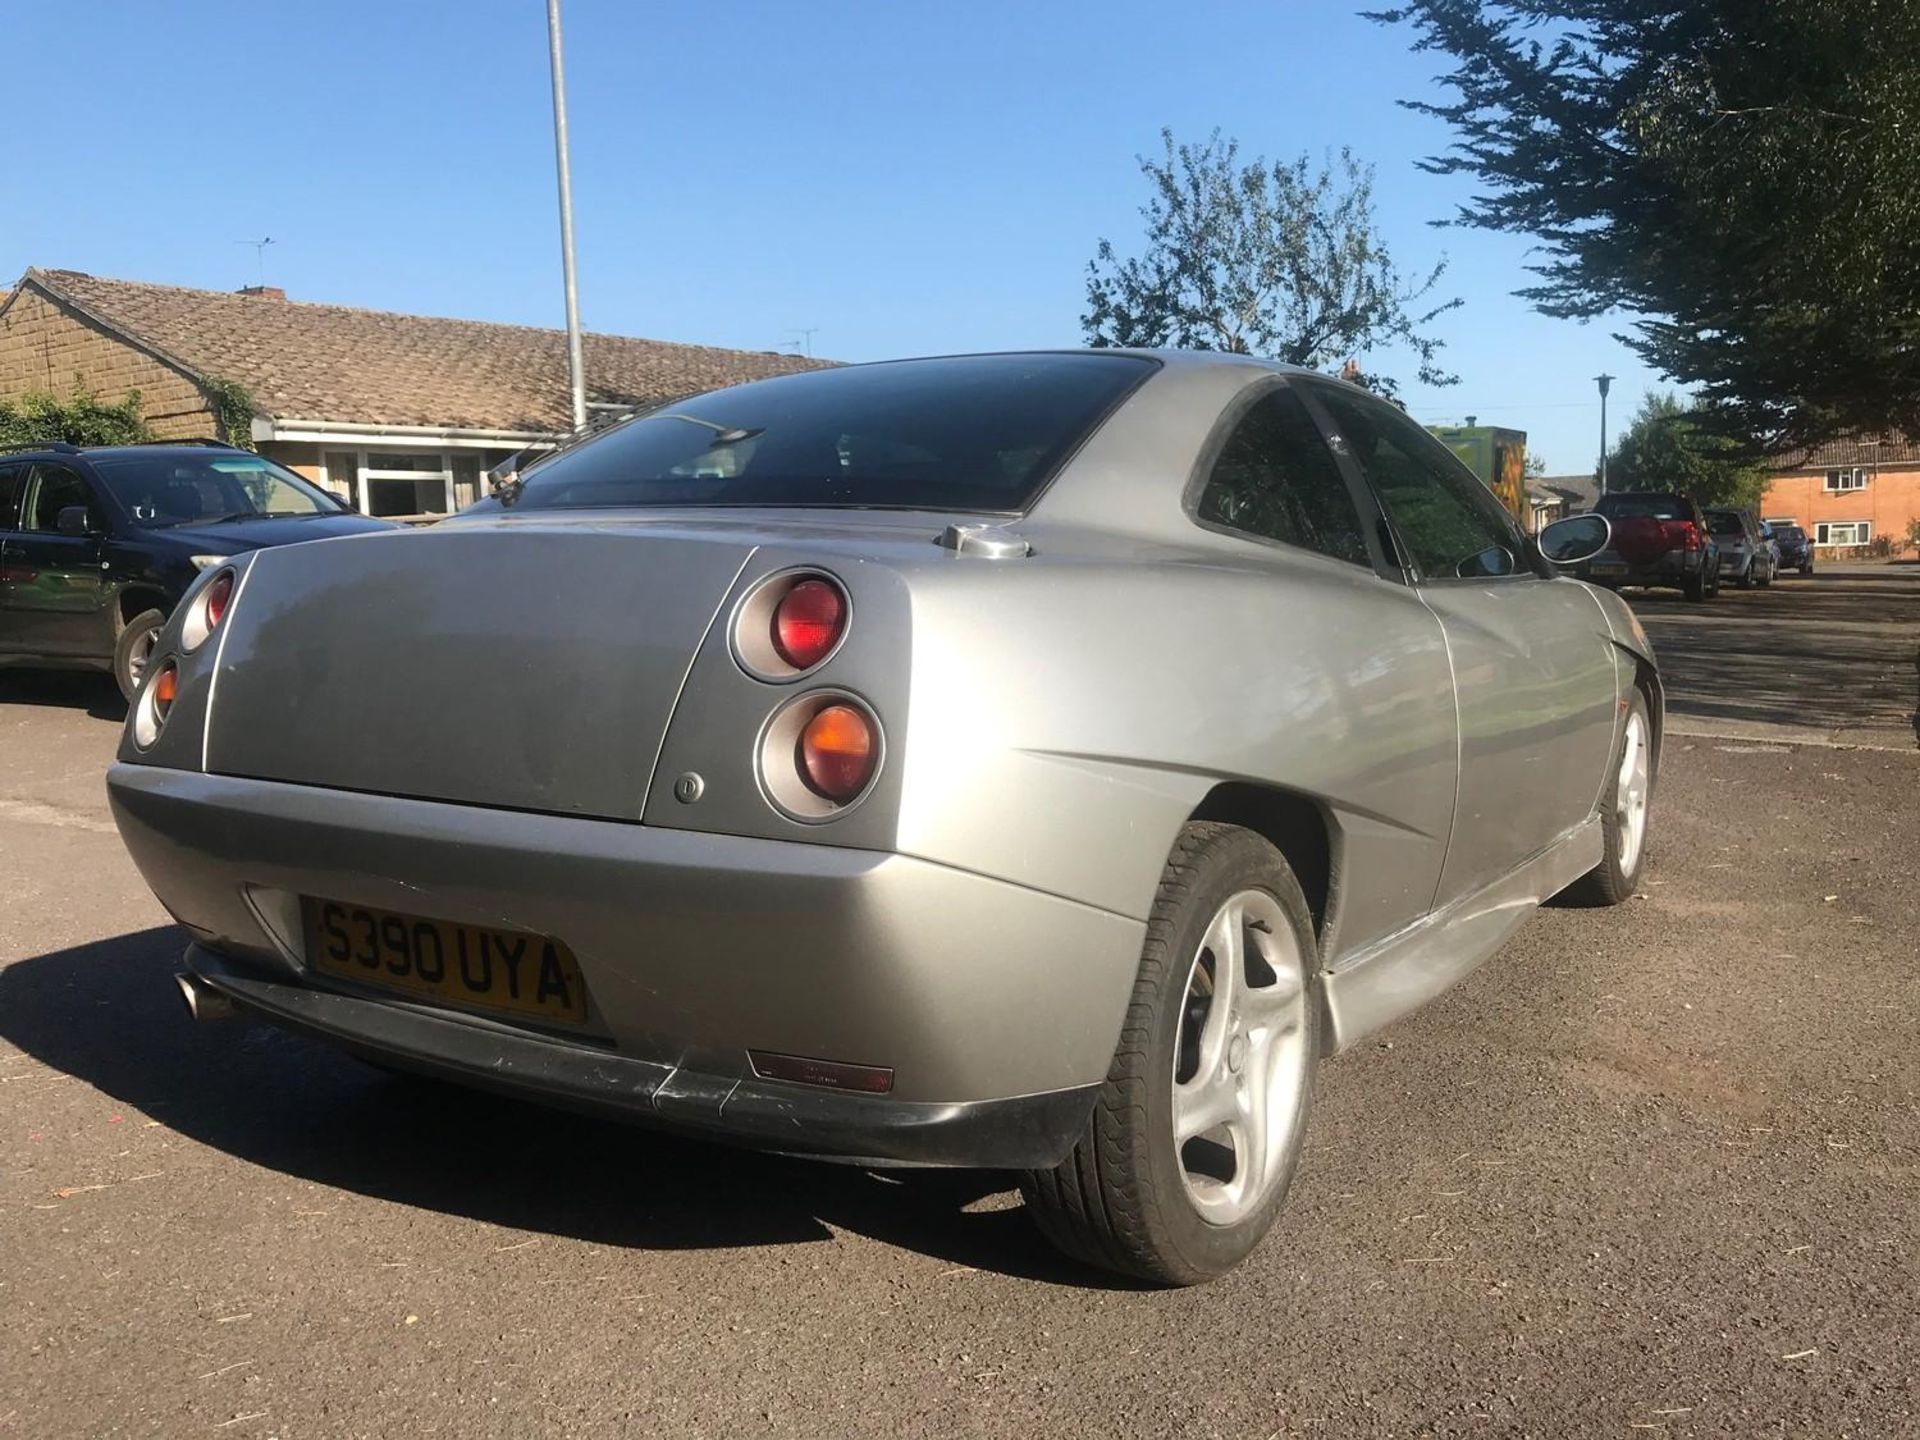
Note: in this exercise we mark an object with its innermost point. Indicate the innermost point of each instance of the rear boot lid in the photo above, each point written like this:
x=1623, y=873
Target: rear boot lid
x=527, y=667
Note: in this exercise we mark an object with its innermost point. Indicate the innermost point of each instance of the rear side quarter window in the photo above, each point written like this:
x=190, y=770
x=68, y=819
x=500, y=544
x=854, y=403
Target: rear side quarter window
x=1275, y=479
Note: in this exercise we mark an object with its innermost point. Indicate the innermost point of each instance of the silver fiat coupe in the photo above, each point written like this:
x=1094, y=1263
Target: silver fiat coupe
x=1027, y=761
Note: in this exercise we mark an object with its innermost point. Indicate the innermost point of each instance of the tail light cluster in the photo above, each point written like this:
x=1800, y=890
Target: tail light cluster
x=1690, y=535
x=205, y=612
x=819, y=751
x=790, y=625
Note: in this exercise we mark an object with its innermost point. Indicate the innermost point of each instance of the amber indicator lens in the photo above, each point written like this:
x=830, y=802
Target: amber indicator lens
x=165, y=686
x=837, y=753
x=807, y=623
x=218, y=594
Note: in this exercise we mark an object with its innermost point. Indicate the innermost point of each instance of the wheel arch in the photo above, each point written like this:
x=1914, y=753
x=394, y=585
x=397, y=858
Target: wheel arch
x=137, y=600
x=1294, y=825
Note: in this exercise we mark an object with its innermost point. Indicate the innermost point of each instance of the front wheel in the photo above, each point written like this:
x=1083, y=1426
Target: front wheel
x=1624, y=812
x=1193, y=1140
x=135, y=647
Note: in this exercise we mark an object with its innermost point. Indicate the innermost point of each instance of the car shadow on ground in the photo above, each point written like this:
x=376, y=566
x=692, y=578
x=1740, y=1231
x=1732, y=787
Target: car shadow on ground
x=89, y=690
x=1830, y=654
x=109, y=1014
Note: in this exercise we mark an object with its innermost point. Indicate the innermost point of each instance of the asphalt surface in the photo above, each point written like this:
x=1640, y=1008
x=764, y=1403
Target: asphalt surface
x=1833, y=657
x=1651, y=1171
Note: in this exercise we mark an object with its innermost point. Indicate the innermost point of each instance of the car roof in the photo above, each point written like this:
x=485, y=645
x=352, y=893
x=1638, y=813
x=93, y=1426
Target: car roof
x=168, y=448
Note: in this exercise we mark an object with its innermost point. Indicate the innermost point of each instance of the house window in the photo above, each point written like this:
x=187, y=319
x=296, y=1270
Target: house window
x=1843, y=532
x=407, y=484
x=1851, y=478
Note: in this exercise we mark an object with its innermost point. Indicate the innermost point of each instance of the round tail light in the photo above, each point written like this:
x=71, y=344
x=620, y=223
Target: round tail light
x=207, y=609
x=807, y=623
x=837, y=753
x=155, y=699
x=218, y=594
x=166, y=685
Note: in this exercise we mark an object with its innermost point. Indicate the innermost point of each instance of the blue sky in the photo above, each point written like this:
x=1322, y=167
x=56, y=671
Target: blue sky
x=901, y=177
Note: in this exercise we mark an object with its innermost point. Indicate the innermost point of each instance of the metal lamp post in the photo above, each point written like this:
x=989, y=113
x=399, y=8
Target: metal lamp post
x=576, y=363
x=1605, y=382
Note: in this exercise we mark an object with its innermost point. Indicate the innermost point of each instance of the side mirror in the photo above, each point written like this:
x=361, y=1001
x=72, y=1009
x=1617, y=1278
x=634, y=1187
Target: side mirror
x=1576, y=538
x=75, y=520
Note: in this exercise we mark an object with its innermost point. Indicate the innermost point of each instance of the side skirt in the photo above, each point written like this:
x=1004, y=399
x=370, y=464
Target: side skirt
x=1399, y=974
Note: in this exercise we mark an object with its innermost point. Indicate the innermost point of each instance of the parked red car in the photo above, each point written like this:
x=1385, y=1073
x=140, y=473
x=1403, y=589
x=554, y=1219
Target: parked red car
x=1658, y=539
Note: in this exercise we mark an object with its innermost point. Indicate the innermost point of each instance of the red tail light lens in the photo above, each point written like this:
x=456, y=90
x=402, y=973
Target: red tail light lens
x=1692, y=535
x=218, y=594
x=837, y=753
x=807, y=623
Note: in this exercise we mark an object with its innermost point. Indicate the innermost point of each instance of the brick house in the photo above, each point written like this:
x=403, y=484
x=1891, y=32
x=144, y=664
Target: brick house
x=1853, y=497
x=397, y=414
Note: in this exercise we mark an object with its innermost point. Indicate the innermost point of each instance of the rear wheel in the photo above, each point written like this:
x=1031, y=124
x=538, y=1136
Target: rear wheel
x=1624, y=811
x=135, y=647
x=1807, y=569
x=1192, y=1143
x=1695, y=587
x=1766, y=576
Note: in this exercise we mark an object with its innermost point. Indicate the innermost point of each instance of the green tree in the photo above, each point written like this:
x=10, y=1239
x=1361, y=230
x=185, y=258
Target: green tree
x=1671, y=447
x=1280, y=260
x=40, y=419
x=1742, y=177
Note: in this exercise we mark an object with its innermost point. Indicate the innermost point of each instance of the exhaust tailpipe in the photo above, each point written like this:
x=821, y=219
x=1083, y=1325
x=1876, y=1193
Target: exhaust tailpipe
x=204, y=1003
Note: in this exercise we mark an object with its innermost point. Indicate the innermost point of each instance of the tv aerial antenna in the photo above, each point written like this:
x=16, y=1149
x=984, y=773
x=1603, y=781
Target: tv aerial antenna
x=259, y=253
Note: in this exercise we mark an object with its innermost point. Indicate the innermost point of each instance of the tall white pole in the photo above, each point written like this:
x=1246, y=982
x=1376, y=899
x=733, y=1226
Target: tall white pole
x=576, y=362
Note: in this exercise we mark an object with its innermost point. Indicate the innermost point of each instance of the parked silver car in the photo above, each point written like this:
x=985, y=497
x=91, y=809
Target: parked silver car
x=1747, y=557
x=1033, y=761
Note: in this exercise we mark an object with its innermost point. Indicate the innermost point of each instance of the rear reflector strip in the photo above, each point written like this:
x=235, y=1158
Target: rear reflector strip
x=829, y=1074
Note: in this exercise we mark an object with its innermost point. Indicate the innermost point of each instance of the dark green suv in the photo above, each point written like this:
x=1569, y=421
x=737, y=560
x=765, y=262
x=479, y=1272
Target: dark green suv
x=98, y=543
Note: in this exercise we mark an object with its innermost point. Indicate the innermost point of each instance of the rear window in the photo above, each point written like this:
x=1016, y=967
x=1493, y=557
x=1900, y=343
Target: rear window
x=980, y=432
x=1720, y=522
x=1789, y=532
x=1648, y=507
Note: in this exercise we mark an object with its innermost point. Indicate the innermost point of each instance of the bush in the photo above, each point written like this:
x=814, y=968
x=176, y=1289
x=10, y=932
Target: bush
x=42, y=419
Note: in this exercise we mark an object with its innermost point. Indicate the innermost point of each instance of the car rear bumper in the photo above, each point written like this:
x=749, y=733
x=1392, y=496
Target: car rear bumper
x=1019, y=1132
x=1673, y=567
x=996, y=1007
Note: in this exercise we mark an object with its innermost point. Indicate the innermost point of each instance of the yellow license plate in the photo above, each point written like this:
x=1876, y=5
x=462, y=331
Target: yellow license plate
x=463, y=965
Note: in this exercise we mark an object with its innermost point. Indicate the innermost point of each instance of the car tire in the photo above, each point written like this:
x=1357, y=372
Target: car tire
x=130, y=652
x=1766, y=577
x=1806, y=569
x=1694, y=587
x=1745, y=581
x=1128, y=1198
x=1626, y=810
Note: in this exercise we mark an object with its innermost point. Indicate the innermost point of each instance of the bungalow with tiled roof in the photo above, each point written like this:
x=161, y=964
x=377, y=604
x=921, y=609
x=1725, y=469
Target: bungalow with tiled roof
x=398, y=414
x=1854, y=497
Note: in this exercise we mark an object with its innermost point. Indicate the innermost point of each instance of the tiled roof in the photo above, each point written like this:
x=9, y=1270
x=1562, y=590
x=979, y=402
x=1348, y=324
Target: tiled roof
x=1579, y=491
x=332, y=362
x=1854, y=450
